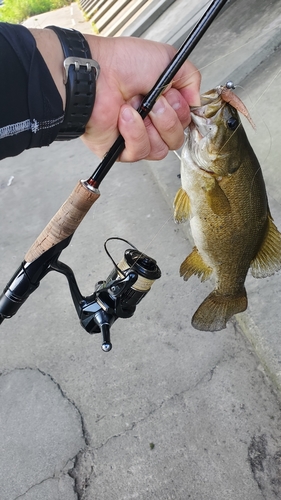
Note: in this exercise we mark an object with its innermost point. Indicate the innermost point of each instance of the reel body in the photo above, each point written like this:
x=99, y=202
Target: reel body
x=116, y=297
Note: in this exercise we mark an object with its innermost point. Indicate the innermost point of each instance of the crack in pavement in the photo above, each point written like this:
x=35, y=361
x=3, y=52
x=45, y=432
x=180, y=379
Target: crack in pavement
x=80, y=476
x=265, y=466
x=35, y=485
x=207, y=376
x=84, y=430
x=83, y=467
x=82, y=472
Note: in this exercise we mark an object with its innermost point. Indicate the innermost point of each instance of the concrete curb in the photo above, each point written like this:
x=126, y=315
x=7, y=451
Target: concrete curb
x=154, y=10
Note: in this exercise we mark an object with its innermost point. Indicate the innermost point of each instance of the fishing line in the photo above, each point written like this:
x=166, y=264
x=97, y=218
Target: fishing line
x=142, y=254
x=264, y=122
x=175, y=80
x=177, y=154
x=158, y=232
x=266, y=30
x=233, y=51
x=267, y=127
x=117, y=238
x=240, y=124
x=268, y=86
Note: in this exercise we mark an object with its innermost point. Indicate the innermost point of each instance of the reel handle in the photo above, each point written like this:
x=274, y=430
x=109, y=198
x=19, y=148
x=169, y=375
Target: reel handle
x=65, y=221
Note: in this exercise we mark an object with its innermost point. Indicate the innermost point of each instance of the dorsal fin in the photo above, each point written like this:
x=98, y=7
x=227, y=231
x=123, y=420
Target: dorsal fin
x=268, y=258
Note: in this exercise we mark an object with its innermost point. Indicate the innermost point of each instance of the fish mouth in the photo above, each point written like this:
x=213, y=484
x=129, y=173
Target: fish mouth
x=197, y=145
x=204, y=138
x=211, y=105
x=204, y=126
x=207, y=132
x=203, y=129
x=195, y=131
x=205, y=116
x=210, y=97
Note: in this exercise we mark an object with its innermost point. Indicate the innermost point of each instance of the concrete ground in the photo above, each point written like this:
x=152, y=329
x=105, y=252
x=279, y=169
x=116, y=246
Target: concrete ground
x=170, y=412
x=66, y=17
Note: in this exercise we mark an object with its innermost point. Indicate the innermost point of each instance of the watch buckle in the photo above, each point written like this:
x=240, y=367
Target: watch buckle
x=78, y=62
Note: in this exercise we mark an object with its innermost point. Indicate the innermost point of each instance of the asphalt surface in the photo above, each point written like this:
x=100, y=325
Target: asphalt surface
x=170, y=412
x=66, y=17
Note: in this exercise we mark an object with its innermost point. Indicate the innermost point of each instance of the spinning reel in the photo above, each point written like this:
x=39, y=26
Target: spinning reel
x=116, y=297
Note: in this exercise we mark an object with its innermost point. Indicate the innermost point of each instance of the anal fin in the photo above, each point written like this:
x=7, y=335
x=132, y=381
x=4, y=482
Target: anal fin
x=214, y=312
x=268, y=258
x=194, y=264
x=181, y=206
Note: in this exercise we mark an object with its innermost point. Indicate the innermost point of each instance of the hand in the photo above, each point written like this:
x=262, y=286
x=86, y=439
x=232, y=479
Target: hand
x=129, y=69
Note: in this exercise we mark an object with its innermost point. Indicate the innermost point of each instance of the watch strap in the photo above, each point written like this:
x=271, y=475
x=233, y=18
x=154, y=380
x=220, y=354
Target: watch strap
x=80, y=74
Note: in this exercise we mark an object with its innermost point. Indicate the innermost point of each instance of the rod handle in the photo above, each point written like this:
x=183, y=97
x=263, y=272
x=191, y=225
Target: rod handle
x=65, y=221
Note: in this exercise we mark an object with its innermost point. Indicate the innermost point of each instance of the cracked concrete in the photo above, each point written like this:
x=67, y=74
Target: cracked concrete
x=82, y=471
x=265, y=462
x=198, y=397
x=203, y=432
x=40, y=431
x=170, y=413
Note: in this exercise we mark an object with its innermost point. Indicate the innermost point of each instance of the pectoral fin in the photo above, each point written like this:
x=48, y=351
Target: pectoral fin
x=268, y=259
x=181, y=206
x=217, y=200
x=194, y=264
x=213, y=314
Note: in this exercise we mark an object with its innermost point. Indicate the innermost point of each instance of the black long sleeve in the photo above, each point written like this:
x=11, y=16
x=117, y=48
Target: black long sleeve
x=31, y=109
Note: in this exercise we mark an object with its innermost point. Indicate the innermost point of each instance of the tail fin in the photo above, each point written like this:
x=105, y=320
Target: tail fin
x=213, y=314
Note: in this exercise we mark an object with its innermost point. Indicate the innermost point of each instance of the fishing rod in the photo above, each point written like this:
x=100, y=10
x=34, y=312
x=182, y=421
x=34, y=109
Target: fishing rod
x=130, y=280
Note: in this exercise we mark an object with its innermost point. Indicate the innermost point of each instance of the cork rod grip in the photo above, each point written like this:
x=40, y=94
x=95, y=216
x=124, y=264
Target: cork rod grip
x=65, y=221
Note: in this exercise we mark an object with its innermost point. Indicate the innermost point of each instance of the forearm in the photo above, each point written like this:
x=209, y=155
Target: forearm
x=50, y=48
x=31, y=106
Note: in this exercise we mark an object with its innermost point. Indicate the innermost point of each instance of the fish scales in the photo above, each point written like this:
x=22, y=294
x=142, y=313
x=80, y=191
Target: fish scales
x=224, y=196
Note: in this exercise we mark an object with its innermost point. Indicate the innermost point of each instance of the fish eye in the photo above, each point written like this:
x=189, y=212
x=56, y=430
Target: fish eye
x=232, y=123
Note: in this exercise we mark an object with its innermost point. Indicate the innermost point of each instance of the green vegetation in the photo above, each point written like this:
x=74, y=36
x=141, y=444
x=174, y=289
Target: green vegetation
x=16, y=11
x=95, y=28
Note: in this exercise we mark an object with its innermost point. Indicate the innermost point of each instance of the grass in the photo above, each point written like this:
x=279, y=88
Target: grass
x=95, y=28
x=16, y=11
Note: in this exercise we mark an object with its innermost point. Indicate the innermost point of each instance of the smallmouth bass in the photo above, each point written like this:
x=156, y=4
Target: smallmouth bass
x=224, y=196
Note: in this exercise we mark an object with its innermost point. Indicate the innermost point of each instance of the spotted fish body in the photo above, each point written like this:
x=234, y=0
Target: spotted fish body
x=223, y=195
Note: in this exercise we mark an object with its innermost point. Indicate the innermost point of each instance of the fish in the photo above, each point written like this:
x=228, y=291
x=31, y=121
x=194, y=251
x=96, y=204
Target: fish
x=223, y=195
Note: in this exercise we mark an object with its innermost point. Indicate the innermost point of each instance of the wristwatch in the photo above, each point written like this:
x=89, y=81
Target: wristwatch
x=80, y=75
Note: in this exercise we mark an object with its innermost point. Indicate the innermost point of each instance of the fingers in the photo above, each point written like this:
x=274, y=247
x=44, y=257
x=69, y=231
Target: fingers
x=132, y=128
x=170, y=115
x=161, y=131
x=187, y=81
x=149, y=139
